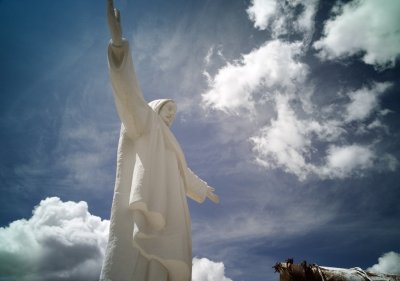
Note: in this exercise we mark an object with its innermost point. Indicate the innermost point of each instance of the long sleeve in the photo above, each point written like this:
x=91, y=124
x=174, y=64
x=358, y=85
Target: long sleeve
x=196, y=187
x=131, y=106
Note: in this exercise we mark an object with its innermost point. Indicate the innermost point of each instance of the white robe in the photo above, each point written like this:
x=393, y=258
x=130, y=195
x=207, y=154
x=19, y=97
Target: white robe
x=149, y=214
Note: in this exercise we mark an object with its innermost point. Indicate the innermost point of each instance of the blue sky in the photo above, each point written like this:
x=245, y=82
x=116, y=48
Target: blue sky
x=290, y=110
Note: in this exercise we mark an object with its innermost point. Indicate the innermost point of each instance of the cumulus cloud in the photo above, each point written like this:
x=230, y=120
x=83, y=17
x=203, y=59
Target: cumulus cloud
x=273, y=74
x=288, y=141
x=61, y=241
x=370, y=28
x=261, y=11
x=207, y=270
x=283, y=17
x=296, y=134
x=273, y=65
x=388, y=263
x=343, y=161
x=284, y=143
x=364, y=102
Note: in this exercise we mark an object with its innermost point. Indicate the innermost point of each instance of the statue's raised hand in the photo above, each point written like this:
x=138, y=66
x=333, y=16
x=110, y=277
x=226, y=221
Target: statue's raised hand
x=114, y=23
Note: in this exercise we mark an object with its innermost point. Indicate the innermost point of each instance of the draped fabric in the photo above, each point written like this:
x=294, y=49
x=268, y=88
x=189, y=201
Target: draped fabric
x=149, y=214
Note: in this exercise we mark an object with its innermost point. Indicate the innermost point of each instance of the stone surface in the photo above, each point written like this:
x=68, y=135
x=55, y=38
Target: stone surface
x=150, y=230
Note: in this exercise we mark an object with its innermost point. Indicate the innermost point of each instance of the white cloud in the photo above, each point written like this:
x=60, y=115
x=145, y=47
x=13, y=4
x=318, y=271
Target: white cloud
x=364, y=102
x=389, y=263
x=288, y=141
x=305, y=21
x=304, y=138
x=283, y=17
x=368, y=27
x=207, y=270
x=261, y=11
x=61, y=241
x=272, y=65
x=285, y=142
x=289, y=20
x=344, y=161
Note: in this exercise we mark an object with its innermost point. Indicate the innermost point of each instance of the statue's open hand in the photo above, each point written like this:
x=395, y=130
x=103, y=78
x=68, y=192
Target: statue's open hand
x=211, y=195
x=114, y=23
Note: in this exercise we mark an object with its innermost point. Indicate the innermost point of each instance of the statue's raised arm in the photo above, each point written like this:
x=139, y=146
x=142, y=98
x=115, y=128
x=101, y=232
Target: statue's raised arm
x=114, y=23
x=132, y=109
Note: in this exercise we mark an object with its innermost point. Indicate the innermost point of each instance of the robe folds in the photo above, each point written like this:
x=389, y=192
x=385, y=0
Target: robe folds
x=149, y=214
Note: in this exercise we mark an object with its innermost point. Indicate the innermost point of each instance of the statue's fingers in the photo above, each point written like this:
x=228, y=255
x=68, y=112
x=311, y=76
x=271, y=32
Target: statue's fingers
x=215, y=198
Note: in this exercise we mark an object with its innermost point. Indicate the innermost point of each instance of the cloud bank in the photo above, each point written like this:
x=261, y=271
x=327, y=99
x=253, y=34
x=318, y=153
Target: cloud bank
x=369, y=28
x=299, y=135
x=63, y=241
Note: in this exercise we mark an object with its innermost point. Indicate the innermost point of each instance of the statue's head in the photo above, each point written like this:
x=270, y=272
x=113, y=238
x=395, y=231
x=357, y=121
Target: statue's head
x=166, y=108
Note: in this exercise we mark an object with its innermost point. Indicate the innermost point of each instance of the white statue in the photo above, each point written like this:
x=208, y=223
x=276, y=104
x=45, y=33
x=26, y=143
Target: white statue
x=150, y=231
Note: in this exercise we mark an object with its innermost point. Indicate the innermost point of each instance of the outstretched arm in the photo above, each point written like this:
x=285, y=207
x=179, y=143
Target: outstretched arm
x=131, y=106
x=198, y=190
